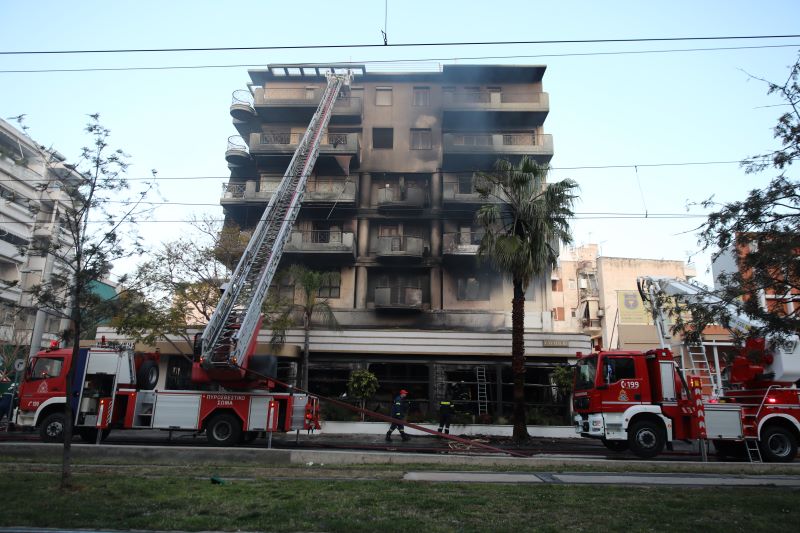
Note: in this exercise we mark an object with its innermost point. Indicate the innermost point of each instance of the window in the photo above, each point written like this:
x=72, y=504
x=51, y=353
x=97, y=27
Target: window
x=617, y=368
x=556, y=286
x=284, y=289
x=572, y=284
x=46, y=367
x=421, y=139
x=382, y=137
x=465, y=184
x=421, y=97
x=558, y=314
x=331, y=288
x=473, y=288
x=383, y=96
x=574, y=312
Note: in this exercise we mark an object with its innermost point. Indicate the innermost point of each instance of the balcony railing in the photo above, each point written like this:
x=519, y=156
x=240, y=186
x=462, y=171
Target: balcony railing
x=399, y=297
x=461, y=243
x=400, y=246
x=496, y=98
x=498, y=143
x=591, y=323
x=285, y=142
x=237, y=151
x=242, y=107
x=461, y=189
x=409, y=197
x=320, y=241
x=324, y=189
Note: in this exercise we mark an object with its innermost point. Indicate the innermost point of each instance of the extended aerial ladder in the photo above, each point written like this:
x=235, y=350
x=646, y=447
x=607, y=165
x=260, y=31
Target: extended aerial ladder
x=783, y=362
x=231, y=334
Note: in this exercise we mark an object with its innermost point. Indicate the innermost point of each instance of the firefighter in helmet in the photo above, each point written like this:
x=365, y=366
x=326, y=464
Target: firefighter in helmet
x=446, y=409
x=399, y=411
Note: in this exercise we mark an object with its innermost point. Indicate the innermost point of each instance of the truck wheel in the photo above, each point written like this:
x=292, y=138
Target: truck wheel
x=646, y=439
x=224, y=429
x=778, y=445
x=615, y=445
x=52, y=428
x=147, y=375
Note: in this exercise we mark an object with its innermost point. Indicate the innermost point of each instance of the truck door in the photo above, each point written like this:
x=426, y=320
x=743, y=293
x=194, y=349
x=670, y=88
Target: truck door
x=45, y=379
x=623, y=379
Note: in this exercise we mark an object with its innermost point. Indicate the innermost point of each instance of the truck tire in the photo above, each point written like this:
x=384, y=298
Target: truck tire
x=778, y=445
x=147, y=375
x=52, y=428
x=615, y=445
x=646, y=439
x=224, y=429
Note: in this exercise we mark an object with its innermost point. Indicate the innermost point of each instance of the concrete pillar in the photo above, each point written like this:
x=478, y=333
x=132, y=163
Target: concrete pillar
x=436, y=238
x=363, y=237
x=361, y=287
x=436, y=189
x=365, y=190
x=436, y=287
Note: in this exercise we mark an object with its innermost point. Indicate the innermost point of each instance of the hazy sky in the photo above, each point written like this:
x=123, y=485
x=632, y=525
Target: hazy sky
x=621, y=109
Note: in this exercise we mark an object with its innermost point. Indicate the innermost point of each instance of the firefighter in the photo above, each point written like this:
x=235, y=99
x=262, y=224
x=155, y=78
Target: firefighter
x=446, y=408
x=399, y=410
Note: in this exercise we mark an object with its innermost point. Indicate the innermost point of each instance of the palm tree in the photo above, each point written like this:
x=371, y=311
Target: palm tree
x=522, y=228
x=311, y=308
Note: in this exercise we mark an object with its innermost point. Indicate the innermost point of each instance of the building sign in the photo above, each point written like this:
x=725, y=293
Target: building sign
x=631, y=308
x=555, y=343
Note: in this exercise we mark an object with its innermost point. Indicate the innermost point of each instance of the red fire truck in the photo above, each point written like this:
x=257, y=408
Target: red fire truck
x=642, y=401
x=114, y=388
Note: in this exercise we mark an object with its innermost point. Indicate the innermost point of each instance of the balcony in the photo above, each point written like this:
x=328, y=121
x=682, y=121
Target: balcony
x=237, y=153
x=243, y=193
x=322, y=245
x=495, y=109
x=298, y=104
x=461, y=191
x=398, y=298
x=242, y=105
x=483, y=149
x=410, y=249
x=277, y=144
x=461, y=244
x=333, y=190
x=393, y=199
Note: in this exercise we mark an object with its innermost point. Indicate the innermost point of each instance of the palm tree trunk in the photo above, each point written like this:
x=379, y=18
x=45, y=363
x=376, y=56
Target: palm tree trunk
x=518, y=361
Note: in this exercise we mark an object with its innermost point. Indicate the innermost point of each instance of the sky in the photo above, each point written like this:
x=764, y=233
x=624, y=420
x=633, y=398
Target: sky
x=640, y=116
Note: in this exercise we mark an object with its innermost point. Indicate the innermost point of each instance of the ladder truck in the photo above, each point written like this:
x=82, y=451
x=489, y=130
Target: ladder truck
x=643, y=401
x=114, y=387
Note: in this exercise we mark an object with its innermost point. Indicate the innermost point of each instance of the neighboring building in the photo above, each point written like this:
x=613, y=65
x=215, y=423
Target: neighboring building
x=390, y=207
x=29, y=206
x=598, y=296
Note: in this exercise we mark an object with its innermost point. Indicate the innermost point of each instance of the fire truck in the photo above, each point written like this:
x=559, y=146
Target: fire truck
x=233, y=399
x=644, y=401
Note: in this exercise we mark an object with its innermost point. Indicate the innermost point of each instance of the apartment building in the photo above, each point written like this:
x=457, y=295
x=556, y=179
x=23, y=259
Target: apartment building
x=598, y=296
x=28, y=212
x=390, y=207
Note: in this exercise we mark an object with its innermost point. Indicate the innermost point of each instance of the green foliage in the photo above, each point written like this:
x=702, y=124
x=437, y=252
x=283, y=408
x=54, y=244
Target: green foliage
x=762, y=232
x=362, y=384
x=562, y=376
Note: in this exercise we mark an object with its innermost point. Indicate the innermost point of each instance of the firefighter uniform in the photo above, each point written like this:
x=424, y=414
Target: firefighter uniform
x=399, y=411
x=446, y=409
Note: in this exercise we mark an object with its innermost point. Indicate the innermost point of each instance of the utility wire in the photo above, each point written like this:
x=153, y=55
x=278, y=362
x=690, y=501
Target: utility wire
x=396, y=45
x=392, y=61
x=451, y=172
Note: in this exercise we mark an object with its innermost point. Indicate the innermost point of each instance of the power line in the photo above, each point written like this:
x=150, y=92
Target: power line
x=395, y=61
x=396, y=45
x=450, y=172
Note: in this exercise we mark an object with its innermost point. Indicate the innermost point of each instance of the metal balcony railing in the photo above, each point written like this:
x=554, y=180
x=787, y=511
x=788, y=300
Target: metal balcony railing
x=322, y=236
x=328, y=139
x=461, y=242
x=412, y=196
x=233, y=190
x=495, y=97
x=398, y=296
x=399, y=245
x=236, y=143
x=242, y=97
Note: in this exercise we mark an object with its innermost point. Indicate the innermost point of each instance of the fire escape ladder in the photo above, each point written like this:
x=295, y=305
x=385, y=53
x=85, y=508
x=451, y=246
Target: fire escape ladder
x=236, y=320
x=483, y=397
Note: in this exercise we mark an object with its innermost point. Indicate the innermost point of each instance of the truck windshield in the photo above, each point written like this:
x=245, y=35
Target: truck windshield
x=585, y=372
x=46, y=367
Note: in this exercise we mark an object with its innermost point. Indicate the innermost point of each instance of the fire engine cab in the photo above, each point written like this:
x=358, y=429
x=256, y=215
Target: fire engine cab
x=643, y=401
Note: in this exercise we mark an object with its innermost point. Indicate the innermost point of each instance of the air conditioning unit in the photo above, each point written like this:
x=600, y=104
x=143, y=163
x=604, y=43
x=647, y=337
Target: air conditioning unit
x=600, y=313
x=583, y=284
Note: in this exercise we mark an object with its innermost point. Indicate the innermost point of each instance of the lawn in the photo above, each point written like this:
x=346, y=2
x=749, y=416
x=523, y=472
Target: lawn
x=337, y=500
